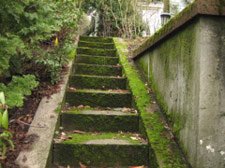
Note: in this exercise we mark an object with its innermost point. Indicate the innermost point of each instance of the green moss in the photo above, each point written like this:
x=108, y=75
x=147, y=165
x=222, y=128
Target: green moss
x=96, y=45
x=78, y=110
x=99, y=122
x=175, y=56
x=97, y=82
x=97, y=60
x=100, y=155
x=96, y=39
x=98, y=70
x=221, y=6
x=82, y=138
x=96, y=52
x=167, y=28
x=98, y=98
x=58, y=110
x=152, y=126
x=71, y=55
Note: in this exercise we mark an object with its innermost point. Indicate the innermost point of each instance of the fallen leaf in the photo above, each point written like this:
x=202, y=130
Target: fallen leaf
x=137, y=166
x=82, y=165
x=72, y=89
x=167, y=127
x=29, y=121
x=78, y=132
x=134, y=138
x=126, y=109
x=149, y=90
x=80, y=106
x=134, y=111
x=63, y=133
x=68, y=166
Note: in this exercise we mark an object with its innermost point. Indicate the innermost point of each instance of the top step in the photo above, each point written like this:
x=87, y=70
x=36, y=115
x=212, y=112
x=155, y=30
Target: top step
x=96, y=39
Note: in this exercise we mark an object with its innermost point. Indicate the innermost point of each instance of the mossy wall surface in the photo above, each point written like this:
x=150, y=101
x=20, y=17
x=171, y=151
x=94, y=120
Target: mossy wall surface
x=186, y=72
x=163, y=151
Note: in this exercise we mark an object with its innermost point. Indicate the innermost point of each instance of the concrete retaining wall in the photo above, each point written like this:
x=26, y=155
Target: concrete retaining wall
x=187, y=72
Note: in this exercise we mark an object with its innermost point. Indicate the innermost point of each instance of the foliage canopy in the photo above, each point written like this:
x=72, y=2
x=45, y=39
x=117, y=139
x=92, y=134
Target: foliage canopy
x=27, y=52
x=118, y=18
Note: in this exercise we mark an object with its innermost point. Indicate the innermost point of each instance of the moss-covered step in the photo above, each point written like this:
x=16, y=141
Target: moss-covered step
x=90, y=59
x=106, y=149
x=97, y=82
x=96, y=39
x=96, y=52
x=96, y=45
x=94, y=98
x=99, y=120
x=102, y=70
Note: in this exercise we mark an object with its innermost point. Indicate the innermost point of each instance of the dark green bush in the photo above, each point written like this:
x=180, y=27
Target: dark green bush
x=28, y=31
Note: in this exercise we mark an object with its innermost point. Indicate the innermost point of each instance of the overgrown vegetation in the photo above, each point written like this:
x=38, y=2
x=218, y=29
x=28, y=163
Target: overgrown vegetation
x=29, y=29
x=4, y=123
x=36, y=38
x=116, y=18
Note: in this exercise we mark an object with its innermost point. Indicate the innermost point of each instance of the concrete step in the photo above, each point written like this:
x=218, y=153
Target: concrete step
x=101, y=70
x=103, y=98
x=97, y=82
x=90, y=59
x=96, y=45
x=141, y=166
x=96, y=52
x=100, y=149
x=96, y=39
x=90, y=120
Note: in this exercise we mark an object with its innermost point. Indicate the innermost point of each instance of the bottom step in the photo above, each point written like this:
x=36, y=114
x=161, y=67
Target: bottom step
x=103, y=149
x=83, y=166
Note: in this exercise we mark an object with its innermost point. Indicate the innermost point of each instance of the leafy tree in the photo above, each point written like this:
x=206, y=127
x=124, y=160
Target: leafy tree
x=116, y=17
x=27, y=53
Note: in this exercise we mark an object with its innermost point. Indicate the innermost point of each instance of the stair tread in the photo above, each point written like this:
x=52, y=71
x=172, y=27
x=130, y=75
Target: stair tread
x=96, y=39
x=96, y=42
x=100, y=119
x=96, y=49
x=98, y=76
x=86, y=55
x=118, y=91
x=97, y=65
x=96, y=52
x=102, y=112
x=100, y=138
x=141, y=166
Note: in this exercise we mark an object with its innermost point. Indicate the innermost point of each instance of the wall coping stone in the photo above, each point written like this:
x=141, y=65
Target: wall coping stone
x=198, y=7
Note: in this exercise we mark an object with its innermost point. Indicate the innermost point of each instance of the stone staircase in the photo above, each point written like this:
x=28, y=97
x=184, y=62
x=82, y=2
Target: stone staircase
x=100, y=128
